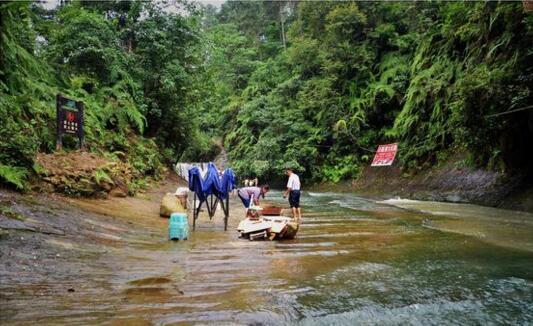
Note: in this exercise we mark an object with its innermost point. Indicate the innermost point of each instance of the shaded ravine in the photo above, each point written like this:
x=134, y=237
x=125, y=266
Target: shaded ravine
x=354, y=260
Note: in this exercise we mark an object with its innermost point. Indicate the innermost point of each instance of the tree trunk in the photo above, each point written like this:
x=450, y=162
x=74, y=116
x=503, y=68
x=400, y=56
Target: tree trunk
x=282, y=20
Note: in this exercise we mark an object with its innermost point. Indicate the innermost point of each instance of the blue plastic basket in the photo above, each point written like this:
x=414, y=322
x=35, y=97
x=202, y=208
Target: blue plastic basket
x=178, y=226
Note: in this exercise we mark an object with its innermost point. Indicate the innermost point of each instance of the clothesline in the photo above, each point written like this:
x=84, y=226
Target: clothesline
x=182, y=169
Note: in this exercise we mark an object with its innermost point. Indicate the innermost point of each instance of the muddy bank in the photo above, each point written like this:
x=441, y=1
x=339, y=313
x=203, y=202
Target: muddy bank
x=447, y=183
x=85, y=174
x=82, y=173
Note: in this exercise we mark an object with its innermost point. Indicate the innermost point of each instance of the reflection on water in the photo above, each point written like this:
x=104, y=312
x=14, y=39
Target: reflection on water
x=354, y=261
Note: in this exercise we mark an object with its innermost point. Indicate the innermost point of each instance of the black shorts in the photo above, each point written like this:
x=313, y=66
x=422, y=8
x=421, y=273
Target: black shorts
x=294, y=198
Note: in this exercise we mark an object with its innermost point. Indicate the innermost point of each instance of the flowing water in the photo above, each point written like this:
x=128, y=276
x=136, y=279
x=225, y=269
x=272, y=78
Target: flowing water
x=355, y=261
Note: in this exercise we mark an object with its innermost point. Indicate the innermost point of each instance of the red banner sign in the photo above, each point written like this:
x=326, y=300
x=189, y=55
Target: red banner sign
x=385, y=155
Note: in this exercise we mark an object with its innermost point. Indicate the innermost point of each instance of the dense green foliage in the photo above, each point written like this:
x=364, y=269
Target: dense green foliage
x=131, y=63
x=356, y=74
x=313, y=85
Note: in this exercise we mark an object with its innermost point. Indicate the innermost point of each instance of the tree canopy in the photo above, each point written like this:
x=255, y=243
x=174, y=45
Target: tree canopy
x=356, y=74
x=312, y=85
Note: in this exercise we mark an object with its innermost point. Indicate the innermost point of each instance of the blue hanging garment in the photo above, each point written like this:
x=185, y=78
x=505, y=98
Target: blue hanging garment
x=196, y=183
x=227, y=183
x=212, y=183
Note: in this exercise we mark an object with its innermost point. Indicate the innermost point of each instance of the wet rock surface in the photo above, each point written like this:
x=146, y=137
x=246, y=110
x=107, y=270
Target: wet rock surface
x=45, y=255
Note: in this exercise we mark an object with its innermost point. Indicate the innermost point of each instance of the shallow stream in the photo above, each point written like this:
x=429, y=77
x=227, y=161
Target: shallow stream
x=355, y=261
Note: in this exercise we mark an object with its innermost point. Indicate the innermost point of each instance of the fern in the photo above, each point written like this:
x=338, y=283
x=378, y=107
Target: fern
x=340, y=126
x=101, y=175
x=14, y=175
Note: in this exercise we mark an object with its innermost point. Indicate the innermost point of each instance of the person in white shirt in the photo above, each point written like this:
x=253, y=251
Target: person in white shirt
x=293, y=190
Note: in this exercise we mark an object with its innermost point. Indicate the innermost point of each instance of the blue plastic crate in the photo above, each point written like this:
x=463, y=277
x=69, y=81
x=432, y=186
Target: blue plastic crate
x=178, y=226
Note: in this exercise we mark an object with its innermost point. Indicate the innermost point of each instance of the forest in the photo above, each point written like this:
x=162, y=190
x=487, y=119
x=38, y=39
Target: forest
x=310, y=85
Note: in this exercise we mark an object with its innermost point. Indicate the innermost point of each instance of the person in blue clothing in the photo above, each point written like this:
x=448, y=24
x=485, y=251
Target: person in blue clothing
x=247, y=193
x=293, y=190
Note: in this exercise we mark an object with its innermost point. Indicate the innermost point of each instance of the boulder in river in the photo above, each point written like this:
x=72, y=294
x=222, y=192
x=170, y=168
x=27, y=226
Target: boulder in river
x=290, y=230
x=170, y=204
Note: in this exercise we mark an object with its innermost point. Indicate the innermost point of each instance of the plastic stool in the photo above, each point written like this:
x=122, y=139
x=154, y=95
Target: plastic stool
x=178, y=226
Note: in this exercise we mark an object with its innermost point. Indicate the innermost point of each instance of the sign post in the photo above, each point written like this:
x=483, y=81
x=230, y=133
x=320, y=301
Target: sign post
x=69, y=120
x=528, y=5
x=385, y=155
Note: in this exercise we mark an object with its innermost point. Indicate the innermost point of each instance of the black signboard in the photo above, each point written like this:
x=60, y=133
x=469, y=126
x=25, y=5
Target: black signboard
x=69, y=117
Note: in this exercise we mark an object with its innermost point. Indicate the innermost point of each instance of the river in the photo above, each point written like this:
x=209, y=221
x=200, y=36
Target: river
x=355, y=261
